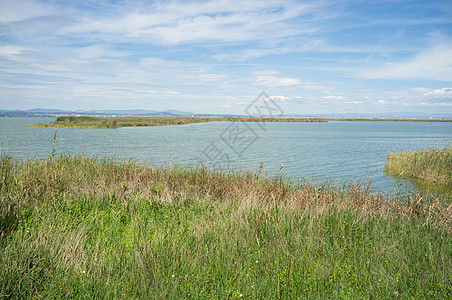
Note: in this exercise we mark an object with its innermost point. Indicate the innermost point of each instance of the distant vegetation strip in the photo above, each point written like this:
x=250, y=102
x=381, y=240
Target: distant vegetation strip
x=117, y=122
x=388, y=120
x=434, y=165
x=75, y=227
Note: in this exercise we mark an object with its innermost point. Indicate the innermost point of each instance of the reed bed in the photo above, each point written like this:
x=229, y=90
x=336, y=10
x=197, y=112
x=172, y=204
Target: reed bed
x=87, y=227
x=434, y=165
x=83, y=122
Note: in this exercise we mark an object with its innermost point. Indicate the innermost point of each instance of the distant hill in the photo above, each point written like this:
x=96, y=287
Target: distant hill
x=135, y=112
x=44, y=110
x=138, y=112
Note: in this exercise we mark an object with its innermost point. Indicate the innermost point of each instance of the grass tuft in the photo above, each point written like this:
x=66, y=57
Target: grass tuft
x=434, y=165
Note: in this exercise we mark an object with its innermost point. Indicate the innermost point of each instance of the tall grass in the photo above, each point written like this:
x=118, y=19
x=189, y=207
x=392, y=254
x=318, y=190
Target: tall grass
x=433, y=165
x=84, y=227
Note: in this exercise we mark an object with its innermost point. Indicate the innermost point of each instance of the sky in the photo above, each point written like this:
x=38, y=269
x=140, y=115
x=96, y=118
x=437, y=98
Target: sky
x=310, y=57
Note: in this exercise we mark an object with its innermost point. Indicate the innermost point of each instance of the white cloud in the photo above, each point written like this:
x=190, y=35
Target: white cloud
x=151, y=62
x=198, y=54
x=274, y=81
x=45, y=24
x=434, y=64
x=96, y=51
x=251, y=53
x=279, y=98
x=186, y=22
x=440, y=97
x=444, y=93
x=19, y=10
x=271, y=78
x=334, y=97
x=11, y=50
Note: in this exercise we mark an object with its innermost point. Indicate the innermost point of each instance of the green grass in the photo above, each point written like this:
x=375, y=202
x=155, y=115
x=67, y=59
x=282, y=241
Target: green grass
x=83, y=227
x=434, y=165
x=117, y=122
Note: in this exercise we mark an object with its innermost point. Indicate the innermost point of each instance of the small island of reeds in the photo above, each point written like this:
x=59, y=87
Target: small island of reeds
x=433, y=165
x=118, y=122
x=82, y=122
x=85, y=227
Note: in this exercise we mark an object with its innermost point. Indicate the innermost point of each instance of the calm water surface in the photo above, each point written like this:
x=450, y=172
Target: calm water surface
x=332, y=151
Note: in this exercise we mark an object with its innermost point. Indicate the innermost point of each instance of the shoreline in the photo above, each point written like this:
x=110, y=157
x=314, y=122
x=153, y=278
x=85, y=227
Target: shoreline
x=88, y=122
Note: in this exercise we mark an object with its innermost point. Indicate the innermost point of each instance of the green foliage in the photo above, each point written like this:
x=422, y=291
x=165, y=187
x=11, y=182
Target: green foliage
x=433, y=165
x=81, y=227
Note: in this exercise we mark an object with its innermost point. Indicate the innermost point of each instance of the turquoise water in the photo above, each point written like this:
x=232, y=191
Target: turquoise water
x=332, y=151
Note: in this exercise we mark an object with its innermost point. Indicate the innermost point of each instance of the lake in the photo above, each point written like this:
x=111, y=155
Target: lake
x=329, y=151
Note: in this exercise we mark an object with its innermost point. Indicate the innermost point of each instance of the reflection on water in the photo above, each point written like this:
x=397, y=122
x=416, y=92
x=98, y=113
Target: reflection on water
x=330, y=151
x=432, y=188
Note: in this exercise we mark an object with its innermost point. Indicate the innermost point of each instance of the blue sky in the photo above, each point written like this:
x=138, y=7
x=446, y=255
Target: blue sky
x=217, y=56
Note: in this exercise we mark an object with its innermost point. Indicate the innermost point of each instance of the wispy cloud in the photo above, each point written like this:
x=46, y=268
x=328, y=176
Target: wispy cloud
x=271, y=78
x=444, y=92
x=252, y=53
x=10, y=51
x=313, y=55
x=20, y=10
x=172, y=23
x=442, y=96
x=334, y=97
x=434, y=64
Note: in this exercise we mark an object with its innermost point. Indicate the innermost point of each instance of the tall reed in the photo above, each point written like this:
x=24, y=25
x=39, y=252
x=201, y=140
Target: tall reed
x=433, y=165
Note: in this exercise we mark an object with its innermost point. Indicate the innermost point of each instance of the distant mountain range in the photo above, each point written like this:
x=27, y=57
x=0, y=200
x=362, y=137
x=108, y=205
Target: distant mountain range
x=172, y=112
x=133, y=112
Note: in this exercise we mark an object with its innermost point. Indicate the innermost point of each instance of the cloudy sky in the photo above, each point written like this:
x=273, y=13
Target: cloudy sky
x=217, y=56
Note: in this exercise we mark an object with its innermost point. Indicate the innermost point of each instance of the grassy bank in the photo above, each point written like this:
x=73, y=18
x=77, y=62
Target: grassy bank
x=432, y=165
x=117, y=122
x=79, y=227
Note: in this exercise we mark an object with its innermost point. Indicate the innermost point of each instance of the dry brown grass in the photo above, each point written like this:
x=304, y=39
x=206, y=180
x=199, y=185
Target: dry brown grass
x=88, y=176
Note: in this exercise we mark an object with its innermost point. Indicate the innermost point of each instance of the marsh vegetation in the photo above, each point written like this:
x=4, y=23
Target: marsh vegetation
x=87, y=227
x=117, y=122
x=434, y=165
